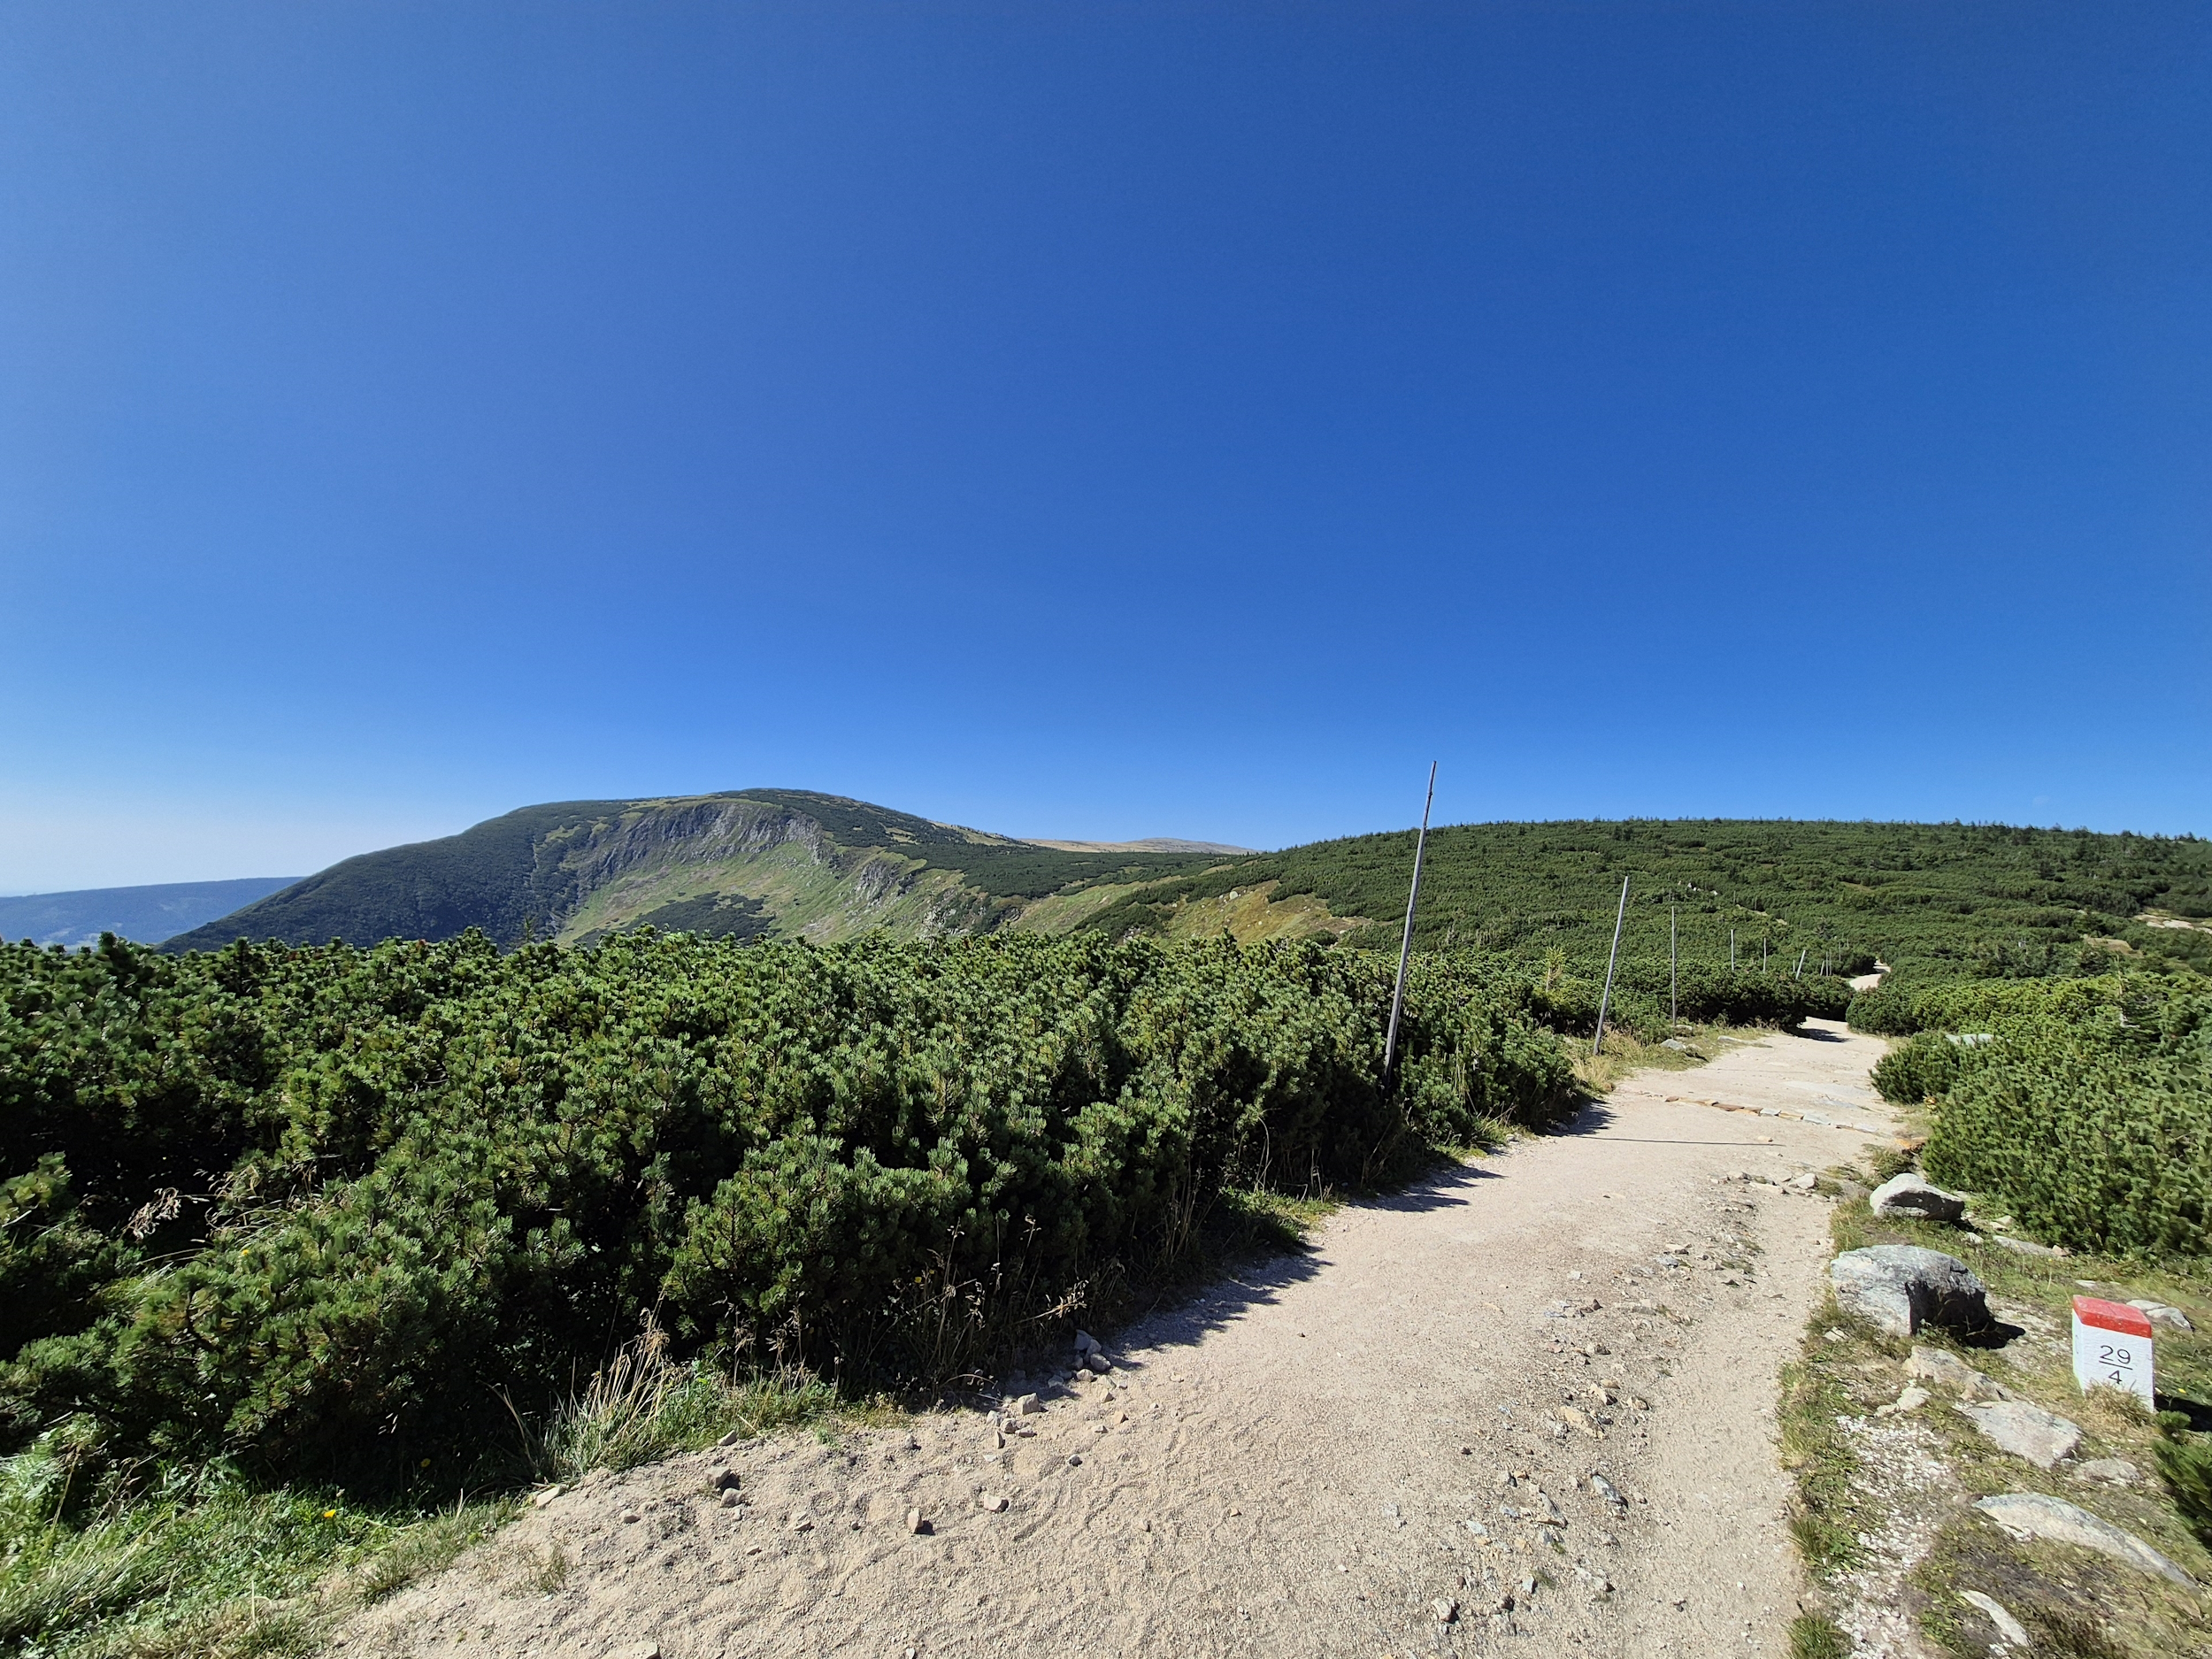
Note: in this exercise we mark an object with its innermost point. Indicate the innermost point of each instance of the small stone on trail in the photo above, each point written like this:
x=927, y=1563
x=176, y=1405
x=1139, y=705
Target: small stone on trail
x=630, y=1517
x=545, y=1495
x=2025, y=1431
x=2008, y=1628
x=1445, y=1609
x=2163, y=1313
x=724, y=1480
x=1932, y=1364
x=1607, y=1490
x=732, y=1438
x=1100, y=1364
x=992, y=1501
x=1075, y=1460
x=1912, y=1399
x=730, y=1500
x=638, y=1650
x=1908, y=1195
x=914, y=1522
x=801, y=1521
x=2119, y=1471
x=1804, y=1183
x=1084, y=1343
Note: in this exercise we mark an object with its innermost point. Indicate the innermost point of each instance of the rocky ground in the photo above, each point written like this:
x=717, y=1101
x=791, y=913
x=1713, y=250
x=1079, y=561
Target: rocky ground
x=1525, y=1406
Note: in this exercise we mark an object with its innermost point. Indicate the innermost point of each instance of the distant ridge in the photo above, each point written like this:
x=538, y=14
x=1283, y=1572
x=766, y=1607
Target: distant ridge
x=1151, y=844
x=746, y=863
x=146, y=915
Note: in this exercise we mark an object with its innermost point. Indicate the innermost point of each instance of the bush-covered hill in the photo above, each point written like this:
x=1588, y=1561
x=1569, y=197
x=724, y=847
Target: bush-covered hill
x=763, y=861
x=1950, y=898
x=321, y=1208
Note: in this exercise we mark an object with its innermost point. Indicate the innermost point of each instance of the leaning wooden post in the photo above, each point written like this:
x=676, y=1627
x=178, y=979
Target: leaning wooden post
x=1405, y=945
x=1606, y=1000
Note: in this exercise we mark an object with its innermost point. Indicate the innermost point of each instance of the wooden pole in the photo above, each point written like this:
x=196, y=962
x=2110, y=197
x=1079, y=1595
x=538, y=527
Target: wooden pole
x=1732, y=950
x=1606, y=1000
x=1405, y=945
x=1674, y=995
x=1801, y=964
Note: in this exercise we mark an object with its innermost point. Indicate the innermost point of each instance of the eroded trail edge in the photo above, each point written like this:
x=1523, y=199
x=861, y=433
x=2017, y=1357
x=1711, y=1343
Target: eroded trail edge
x=1572, y=1346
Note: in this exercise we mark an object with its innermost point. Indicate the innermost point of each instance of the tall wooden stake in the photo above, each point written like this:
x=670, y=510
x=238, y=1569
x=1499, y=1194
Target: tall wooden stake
x=1405, y=945
x=1732, y=950
x=1606, y=1000
x=1674, y=933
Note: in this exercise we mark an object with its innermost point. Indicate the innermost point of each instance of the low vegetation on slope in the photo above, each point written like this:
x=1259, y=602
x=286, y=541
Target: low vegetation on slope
x=1954, y=899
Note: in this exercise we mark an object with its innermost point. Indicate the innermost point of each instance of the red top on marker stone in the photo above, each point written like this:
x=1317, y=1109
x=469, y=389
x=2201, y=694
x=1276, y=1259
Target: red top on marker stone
x=2112, y=1315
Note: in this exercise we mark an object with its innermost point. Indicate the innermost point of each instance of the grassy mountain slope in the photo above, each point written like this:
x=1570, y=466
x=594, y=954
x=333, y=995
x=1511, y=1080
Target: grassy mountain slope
x=146, y=915
x=1954, y=897
x=749, y=862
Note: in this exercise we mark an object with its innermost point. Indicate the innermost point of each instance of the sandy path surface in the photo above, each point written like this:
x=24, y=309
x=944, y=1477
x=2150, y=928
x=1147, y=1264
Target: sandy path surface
x=1289, y=1464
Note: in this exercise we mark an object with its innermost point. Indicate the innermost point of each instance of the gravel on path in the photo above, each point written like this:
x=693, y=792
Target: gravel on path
x=1526, y=1405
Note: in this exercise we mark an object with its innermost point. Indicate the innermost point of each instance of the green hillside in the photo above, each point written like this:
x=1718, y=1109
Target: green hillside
x=783, y=862
x=1949, y=897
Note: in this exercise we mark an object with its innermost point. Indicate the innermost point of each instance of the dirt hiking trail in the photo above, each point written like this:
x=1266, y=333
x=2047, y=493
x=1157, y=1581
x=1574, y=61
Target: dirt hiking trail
x=1290, y=1464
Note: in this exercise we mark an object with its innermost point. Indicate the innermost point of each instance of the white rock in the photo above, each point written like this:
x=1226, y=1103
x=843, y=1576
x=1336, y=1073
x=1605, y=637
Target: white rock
x=1607, y=1490
x=2028, y=1247
x=544, y=1495
x=2165, y=1314
x=801, y=1521
x=1445, y=1609
x=1084, y=1343
x=2008, y=1628
x=914, y=1522
x=637, y=1650
x=2035, y=1515
x=1802, y=1183
x=2119, y=1471
x=1908, y=1194
x=1027, y=1406
x=1934, y=1364
x=2024, y=1431
x=1900, y=1287
x=992, y=1502
x=1912, y=1399
x=1100, y=1364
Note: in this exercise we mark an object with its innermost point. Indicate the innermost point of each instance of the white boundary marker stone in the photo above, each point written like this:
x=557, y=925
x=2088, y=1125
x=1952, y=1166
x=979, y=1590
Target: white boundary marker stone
x=2112, y=1348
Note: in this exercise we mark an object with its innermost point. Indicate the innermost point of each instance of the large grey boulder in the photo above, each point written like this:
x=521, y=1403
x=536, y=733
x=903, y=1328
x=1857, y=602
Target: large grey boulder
x=1909, y=1196
x=2038, y=1515
x=1901, y=1287
x=2025, y=1431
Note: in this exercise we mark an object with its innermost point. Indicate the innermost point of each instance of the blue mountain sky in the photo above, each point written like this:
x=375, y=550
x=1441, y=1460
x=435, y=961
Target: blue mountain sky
x=1100, y=419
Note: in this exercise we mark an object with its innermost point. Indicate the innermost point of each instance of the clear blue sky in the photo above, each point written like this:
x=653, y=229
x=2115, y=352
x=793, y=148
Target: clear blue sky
x=1097, y=420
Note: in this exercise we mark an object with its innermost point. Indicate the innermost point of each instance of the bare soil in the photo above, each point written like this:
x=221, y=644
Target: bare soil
x=1288, y=1463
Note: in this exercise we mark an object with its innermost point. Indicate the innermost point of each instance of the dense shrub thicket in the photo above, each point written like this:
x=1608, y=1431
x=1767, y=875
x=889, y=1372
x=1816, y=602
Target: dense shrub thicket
x=2084, y=1105
x=321, y=1207
x=1983, y=900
